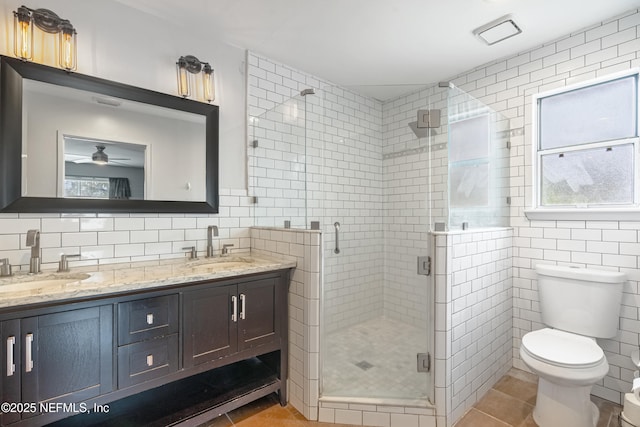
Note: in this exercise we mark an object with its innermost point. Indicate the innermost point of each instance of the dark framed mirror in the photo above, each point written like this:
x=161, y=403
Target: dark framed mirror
x=72, y=143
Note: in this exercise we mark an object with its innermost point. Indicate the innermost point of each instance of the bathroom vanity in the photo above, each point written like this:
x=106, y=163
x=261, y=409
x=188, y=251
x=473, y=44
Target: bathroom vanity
x=171, y=343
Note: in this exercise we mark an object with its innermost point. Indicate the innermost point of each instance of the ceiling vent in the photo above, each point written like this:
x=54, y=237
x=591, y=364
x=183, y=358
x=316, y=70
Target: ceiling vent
x=498, y=30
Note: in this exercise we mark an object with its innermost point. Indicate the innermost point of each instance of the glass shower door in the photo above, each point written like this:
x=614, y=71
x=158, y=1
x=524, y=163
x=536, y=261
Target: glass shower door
x=277, y=165
x=376, y=307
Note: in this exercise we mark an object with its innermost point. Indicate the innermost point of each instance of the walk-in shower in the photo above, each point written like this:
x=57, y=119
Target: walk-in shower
x=389, y=173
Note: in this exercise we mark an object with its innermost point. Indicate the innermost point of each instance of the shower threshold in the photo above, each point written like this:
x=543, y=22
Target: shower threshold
x=379, y=401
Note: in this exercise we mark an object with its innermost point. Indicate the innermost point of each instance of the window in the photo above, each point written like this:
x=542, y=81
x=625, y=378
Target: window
x=86, y=187
x=469, y=162
x=586, y=146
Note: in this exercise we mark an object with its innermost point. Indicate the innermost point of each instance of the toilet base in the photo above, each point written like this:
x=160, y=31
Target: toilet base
x=558, y=405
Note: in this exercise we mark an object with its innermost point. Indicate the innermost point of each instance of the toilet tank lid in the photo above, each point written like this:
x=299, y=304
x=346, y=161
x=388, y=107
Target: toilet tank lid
x=585, y=274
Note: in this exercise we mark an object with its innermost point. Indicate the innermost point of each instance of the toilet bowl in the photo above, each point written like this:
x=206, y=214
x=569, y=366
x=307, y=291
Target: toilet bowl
x=578, y=305
x=567, y=366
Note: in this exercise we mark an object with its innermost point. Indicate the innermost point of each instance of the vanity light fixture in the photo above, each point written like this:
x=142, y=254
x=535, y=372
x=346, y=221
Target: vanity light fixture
x=24, y=19
x=189, y=64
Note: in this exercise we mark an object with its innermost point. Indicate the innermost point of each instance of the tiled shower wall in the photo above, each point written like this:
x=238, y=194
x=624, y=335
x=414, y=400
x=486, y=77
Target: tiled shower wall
x=343, y=155
x=305, y=247
x=507, y=86
x=406, y=228
x=111, y=238
x=473, y=317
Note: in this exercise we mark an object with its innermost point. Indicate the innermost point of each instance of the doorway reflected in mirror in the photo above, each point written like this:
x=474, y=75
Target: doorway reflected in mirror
x=100, y=169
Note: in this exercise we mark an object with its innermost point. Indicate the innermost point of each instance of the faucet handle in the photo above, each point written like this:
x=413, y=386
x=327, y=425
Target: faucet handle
x=193, y=254
x=5, y=268
x=63, y=265
x=225, y=248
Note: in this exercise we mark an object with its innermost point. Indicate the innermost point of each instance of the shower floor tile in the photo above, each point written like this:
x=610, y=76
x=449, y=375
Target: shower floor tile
x=376, y=358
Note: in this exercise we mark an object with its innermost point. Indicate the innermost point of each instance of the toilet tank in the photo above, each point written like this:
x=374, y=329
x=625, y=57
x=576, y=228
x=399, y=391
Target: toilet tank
x=580, y=300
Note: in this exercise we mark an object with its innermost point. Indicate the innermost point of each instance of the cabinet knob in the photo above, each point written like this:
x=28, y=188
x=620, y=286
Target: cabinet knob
x=150, y=360
x=150, y=319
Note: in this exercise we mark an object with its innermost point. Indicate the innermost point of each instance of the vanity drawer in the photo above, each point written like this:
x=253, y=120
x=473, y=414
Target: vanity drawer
x=144, y=361
x=148, y=318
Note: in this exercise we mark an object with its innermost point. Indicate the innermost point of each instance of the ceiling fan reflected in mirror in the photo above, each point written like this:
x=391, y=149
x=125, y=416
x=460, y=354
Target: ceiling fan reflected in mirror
x=100, y=152
x=100, y=157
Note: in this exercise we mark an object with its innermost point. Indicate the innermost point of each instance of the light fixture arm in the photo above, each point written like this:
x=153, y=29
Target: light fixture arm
x=190, y=63
x=23, y=13
x=45, y=19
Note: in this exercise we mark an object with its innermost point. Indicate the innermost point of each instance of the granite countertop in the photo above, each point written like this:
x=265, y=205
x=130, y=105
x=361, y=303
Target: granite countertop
x=24, y=289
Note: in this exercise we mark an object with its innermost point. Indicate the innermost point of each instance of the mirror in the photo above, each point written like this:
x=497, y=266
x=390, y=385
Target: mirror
x=75, y=143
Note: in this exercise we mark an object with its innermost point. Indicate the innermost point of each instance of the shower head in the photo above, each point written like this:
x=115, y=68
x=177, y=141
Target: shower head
x=420, y=132
x=427, y=119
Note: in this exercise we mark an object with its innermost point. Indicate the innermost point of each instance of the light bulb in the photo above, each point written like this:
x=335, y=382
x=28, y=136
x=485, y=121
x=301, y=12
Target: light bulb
x=183, y=78
x=23, y=34
x=68, y=47
x=208, y=83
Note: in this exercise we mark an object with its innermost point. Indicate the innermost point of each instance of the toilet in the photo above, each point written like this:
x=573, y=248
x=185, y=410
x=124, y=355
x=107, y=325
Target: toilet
x=578, y=305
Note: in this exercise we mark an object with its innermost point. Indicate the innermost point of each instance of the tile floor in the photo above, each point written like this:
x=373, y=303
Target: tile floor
x=382, y=367
x=508, y=404
x=266, y=412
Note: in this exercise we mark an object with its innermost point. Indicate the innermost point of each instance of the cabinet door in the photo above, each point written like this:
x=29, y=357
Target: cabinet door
x=210, y=324
x=10, y=368
x=67, y=356
x=258, y=321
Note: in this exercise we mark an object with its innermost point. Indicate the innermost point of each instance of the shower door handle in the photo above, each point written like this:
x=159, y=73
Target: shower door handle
x=337, y=227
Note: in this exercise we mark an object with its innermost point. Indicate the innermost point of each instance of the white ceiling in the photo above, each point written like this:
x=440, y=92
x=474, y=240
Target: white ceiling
x=364, y=43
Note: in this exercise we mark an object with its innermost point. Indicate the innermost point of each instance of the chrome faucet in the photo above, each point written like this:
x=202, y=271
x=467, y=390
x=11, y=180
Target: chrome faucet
x=33, y=240
x=63, y=265
x=193, y=254
x=225, y=249
x=5, y=268
x=212, y=230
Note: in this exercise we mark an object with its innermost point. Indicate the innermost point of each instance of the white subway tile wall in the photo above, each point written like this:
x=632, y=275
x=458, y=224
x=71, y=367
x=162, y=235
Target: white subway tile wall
x=607, y=47
x=305, y=247
x=338, y=133
x=507, y=85
x=113, y=238
x=473, y=319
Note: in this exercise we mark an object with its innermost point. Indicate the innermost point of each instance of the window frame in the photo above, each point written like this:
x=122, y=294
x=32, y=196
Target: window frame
x=582, y=212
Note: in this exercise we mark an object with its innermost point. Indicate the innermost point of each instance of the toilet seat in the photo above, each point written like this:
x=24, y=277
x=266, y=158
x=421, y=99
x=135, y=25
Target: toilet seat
x=562, y=349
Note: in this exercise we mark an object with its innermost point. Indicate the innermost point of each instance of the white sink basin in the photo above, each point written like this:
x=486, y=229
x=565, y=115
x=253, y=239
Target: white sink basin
x=217, y=264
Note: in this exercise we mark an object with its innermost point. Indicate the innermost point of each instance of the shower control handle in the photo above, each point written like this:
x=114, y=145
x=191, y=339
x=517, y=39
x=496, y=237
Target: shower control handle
x=337, y=227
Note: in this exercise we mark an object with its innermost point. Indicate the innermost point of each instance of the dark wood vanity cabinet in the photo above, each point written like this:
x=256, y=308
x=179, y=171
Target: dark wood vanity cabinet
x=210, y=333
x=245, y=316
x=58, y=357
x=145, y=346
